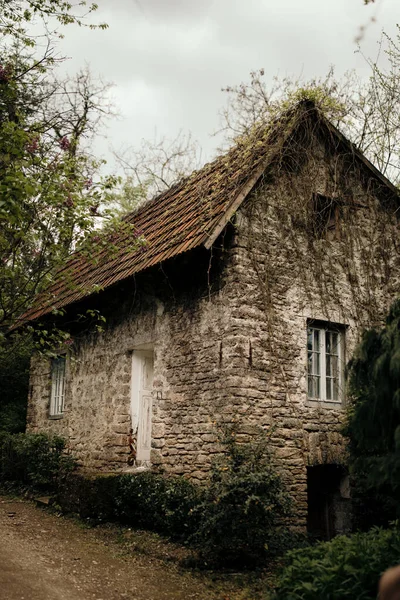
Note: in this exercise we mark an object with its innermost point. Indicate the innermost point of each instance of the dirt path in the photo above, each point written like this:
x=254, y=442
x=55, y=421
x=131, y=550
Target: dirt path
x=45, y=557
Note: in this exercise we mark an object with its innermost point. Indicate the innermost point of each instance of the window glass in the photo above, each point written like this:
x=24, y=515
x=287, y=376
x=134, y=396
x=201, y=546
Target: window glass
x=314, y=362
x=324, y=363
x=57, y=386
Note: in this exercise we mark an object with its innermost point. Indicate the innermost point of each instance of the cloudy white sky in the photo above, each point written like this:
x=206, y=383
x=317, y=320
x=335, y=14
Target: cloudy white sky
x=169, y=59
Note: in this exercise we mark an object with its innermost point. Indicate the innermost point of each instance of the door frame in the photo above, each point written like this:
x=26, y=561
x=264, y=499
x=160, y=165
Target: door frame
x=138, y=357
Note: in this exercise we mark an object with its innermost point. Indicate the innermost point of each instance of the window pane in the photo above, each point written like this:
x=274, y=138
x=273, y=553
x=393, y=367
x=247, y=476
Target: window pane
x=311, y=387
x=317, y=393
x=328, y=389
x=334, y=361
x=317, y=367
x=335, y=343
x=316, y=340
x=328, y=344
x=309, y=339
x=335, y=384
x=309, y=363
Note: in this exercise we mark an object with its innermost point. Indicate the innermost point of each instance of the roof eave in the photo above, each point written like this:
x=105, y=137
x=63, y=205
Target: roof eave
x=227, y=216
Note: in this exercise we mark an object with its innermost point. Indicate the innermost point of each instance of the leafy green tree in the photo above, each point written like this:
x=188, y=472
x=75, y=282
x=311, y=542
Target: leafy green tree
x=17, y=17
x=52, y=193
x=129, y=196
x=373, y=423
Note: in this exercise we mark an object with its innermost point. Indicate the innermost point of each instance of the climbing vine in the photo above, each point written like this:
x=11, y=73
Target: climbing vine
x=319, y=235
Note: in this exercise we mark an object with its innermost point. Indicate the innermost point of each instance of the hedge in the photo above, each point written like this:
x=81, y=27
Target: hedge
x=346, y=567
x=33, y=460
x=145, y=500
x=234, y=521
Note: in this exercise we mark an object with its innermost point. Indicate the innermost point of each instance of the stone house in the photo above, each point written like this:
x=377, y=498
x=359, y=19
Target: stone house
x=244, y=302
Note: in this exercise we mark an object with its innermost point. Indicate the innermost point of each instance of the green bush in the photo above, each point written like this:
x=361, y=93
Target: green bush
x=236, y=520
x=346, y=567
x=373, y=424
x=90, y=497
x=34, y=460
x=240, y=518
x=15, y=354
x=147, y=500
x=164, y=504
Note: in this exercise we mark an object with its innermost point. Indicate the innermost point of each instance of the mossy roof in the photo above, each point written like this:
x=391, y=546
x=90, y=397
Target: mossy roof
x=190, y=214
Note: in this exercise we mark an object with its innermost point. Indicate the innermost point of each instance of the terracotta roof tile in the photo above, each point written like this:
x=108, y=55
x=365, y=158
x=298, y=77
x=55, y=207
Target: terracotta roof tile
x=191, y=213
x=178, y=220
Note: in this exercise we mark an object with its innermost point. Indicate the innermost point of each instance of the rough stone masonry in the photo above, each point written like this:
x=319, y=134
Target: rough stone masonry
x=232, y=343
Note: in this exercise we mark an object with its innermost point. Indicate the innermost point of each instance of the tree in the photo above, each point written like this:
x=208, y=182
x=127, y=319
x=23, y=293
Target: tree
x=17, y=16
x=155, y=166
x=366, y=112
x=51, y=191
x=373, y=422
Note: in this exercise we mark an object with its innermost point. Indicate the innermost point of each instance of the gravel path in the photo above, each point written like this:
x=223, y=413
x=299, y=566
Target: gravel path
x=46, y=557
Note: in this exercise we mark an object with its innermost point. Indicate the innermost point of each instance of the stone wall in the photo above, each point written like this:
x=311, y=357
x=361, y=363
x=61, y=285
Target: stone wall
x=187, y=335
x=236, y=350
x=283, y=277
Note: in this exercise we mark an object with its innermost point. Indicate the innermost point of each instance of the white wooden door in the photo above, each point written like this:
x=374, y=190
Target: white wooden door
x=142, y=403
x=145, y=410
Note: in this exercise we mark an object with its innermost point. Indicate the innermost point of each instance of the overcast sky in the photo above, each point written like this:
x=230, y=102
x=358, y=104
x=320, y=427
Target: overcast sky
x=169, y=59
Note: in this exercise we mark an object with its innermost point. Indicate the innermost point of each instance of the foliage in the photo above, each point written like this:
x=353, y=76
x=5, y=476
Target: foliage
x=52, y=193
x=14, y=383
x=49, y=200
x=363, y=110
x=17, y=16
x=373, y=421
x=236, y=520
x=34, y=460
x=163, y=504
x=49, y=197
x=241, y=516
x=129, y=196
x=346, y=567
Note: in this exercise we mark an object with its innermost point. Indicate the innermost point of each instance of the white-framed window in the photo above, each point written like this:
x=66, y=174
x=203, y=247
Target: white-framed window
x=325, y=362
x=57, y=395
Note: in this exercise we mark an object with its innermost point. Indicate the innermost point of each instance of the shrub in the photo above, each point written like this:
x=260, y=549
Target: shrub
x=15, y=355
x=373, y=424
x=234, y=521
x=164, y=504
x=148, y=500
x=91, y=497
x=346, y=567
x=35, y=460
x=240, y=519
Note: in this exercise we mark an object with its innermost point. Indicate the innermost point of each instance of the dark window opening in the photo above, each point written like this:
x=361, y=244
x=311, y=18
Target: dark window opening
x=326, y=216
x=329, y=505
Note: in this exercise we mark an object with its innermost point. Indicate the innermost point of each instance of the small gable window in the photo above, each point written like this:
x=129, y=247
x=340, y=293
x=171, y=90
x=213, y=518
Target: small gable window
x=57, y=395
x=326, y=216
x=325, y=361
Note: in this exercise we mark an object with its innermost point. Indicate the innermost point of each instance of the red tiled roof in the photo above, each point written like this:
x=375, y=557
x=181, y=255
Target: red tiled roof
x=188, y=215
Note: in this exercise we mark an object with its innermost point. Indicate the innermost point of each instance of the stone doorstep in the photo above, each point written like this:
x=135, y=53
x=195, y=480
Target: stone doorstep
x=44, y=501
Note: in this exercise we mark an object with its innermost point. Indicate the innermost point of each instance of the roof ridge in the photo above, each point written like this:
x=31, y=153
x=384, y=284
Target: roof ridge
x=193, y=212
